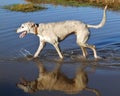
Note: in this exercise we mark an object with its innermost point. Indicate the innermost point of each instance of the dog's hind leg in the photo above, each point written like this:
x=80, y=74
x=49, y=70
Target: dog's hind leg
x=92, y=47
x=94, y=50
x=81, y=41
x=84, y=51
x=56, y=45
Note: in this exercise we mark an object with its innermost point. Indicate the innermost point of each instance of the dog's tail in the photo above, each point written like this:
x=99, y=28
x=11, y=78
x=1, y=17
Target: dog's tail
x=101, y=24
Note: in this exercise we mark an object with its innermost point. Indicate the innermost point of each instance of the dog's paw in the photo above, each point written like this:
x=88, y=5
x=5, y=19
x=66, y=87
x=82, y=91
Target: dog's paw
x=35, y=57
x=98, y=58
x=29, y=57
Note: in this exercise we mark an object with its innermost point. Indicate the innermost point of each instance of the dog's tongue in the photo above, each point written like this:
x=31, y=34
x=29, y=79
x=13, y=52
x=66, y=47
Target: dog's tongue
x=22, y=35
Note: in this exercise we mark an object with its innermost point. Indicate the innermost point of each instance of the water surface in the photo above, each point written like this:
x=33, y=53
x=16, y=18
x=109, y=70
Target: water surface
x=103, y=75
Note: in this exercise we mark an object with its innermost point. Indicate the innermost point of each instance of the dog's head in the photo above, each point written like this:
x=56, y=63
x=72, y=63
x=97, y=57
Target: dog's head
x=27, y=86
x=28, y=27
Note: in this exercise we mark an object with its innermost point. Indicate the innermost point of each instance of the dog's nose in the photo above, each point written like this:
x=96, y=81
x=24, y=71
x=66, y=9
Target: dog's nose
x=17, y=31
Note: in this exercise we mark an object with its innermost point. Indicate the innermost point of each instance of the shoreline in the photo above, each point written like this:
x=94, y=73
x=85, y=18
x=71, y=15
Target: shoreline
x=32, y=6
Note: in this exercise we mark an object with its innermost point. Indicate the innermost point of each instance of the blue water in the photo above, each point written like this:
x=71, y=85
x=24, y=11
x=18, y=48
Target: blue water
x=13, y=65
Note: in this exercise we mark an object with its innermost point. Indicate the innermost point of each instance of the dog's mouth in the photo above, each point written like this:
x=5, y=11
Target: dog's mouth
x=23, y=84
x=26, y=86
x=22, y=35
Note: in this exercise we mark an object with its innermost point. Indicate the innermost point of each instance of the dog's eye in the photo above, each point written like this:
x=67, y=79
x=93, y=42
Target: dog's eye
x=22, y=26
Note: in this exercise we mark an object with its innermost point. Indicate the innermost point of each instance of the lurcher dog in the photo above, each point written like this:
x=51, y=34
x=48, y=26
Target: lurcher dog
x=56, y=80
x=53, y=33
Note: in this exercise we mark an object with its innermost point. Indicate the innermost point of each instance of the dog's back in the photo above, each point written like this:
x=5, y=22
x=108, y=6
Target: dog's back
x=61, y=29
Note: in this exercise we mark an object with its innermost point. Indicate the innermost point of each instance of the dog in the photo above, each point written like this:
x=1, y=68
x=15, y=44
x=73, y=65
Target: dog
x=55, y=80
x=55, y=32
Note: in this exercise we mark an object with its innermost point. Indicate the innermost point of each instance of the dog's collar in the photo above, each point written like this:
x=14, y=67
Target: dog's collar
x=36, y=29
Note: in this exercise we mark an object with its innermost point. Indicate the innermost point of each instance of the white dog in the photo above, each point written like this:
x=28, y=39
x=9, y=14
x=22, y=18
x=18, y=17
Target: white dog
x=53, y=33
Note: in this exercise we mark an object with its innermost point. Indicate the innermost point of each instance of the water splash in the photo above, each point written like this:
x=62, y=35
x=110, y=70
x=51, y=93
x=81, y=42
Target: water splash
x=25, y=52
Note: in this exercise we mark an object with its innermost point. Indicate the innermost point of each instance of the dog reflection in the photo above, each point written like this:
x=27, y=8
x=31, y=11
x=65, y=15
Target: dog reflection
x=56, y=80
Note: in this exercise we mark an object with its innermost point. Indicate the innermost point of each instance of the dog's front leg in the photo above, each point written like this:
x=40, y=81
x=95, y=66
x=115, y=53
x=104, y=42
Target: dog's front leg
x=41, y=46
x=56, y=45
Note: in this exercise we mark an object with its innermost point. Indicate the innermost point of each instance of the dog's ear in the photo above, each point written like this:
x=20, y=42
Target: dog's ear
x=33, y=25
x=37, y=25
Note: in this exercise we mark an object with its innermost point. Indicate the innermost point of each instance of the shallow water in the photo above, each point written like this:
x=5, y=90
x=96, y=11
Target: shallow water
x=103, y=75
